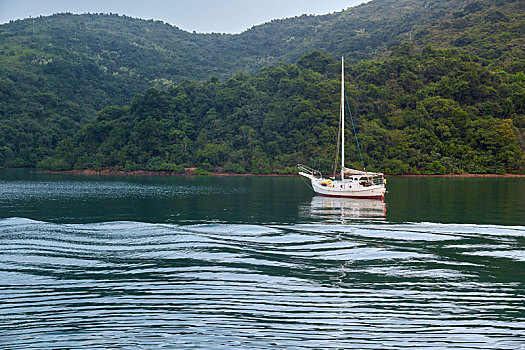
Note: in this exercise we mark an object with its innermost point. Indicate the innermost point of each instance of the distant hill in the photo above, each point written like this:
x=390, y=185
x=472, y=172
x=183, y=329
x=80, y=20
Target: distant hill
x=55, y=79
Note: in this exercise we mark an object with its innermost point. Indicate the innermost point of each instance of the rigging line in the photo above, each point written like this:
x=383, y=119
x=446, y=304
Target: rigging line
x=355, y=132
x=308, y=183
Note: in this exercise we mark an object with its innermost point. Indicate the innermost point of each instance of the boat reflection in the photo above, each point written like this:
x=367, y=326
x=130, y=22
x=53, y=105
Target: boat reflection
x=344, y=209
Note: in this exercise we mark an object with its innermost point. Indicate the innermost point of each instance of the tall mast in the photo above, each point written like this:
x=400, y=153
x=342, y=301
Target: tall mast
x=342, y=117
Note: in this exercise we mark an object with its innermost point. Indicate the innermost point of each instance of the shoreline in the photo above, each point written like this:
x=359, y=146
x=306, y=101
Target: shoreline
x=108, y=172
x=460, y=175
x=189, y=172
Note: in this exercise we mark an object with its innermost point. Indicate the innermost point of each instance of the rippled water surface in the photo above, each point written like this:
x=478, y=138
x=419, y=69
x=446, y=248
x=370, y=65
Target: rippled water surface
x=88, y=262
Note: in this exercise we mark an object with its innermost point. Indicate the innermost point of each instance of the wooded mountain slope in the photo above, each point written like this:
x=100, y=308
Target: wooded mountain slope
x=428, y=111
x=55, y=79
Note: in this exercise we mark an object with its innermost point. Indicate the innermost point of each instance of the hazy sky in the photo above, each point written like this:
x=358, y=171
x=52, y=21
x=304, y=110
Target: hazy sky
x=224, y=16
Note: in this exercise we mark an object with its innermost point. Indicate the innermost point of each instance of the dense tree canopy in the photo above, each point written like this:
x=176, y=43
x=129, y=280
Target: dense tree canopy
x=410, y=119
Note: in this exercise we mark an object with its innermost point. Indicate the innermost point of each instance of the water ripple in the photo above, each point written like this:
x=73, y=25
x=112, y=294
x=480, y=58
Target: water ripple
x=365, y=285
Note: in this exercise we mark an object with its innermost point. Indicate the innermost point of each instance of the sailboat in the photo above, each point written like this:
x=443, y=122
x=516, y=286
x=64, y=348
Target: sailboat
x=352, y=183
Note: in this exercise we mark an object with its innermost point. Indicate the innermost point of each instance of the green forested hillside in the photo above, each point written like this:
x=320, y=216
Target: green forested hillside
x=467, y=118
x=55, y=78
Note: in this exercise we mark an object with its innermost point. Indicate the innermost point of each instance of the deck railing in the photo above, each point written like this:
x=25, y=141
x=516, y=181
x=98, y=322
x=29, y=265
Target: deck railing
x=378, y=180
x=310, y=171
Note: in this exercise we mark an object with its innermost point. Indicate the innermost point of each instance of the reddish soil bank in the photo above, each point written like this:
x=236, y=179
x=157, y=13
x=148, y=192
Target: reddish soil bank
x=462, y=175
x=191, y=172
x=188, y=172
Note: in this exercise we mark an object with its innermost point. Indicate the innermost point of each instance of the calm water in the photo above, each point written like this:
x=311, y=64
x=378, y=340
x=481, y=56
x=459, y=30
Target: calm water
x=174, y=262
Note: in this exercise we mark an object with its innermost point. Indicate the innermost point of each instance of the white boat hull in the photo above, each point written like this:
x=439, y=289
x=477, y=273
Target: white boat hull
x=345, y=189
